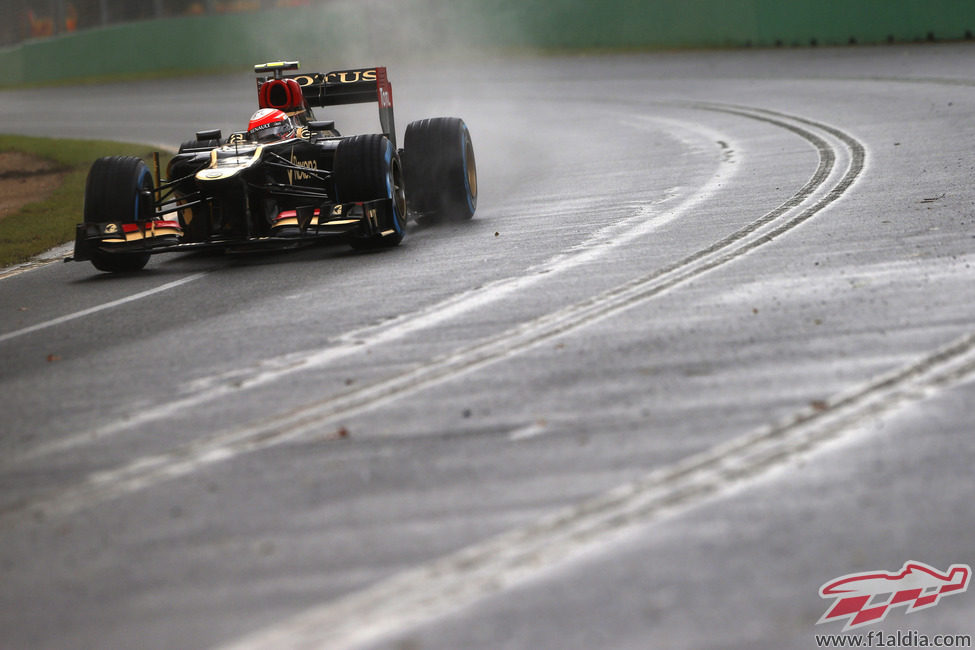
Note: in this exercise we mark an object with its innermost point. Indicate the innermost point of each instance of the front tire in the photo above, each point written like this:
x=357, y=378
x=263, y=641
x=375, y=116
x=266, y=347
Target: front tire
x=368, y=168
x=119, y=190
x=440, y=169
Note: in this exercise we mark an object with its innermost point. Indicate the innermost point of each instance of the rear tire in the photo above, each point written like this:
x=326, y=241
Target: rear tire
x=368, y=168
x=440, y=169
x=115, y=193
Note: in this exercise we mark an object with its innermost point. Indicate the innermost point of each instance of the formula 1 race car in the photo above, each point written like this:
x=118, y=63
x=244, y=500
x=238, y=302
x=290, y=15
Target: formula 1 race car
x=286, y=181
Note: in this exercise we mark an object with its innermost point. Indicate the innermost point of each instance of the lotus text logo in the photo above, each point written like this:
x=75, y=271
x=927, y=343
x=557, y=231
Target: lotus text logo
x=865, y=598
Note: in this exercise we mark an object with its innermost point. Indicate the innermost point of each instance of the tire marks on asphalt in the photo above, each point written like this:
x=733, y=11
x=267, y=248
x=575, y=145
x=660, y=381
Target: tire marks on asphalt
x=829, y=182
x=644, y=219
x=447, y=585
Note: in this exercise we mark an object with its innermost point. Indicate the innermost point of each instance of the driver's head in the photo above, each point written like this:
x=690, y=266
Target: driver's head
x=269, y=125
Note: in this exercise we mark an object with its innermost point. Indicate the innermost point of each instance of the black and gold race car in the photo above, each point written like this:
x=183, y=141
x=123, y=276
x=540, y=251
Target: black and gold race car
x=288, y=180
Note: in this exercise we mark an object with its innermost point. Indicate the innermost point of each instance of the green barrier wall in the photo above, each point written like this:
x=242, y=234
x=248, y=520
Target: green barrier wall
x=720, y=23
x=349, y=32
x=187, y=43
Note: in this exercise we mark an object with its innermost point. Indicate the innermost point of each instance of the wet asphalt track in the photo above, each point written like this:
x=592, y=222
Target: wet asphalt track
x=708, y=344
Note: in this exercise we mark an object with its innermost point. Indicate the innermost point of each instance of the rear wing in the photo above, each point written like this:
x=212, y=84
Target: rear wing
x=341, y=87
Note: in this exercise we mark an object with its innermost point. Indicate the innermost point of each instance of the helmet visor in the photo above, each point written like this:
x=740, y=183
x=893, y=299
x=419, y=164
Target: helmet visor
x=271, y=132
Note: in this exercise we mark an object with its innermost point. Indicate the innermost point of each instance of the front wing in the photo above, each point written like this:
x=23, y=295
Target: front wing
x=290, y=229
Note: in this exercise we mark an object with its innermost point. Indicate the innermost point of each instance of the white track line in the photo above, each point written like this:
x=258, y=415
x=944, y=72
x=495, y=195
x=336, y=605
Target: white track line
x=97, y=308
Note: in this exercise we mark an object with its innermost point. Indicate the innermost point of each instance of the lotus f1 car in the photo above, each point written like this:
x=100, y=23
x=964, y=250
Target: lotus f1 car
x=288, y=180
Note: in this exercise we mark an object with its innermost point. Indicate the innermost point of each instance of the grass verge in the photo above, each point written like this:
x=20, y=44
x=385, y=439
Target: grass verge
x=44, y=224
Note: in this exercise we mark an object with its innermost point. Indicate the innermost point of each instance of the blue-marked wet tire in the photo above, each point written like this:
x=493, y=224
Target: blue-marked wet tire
x=367, y=168
x=440, y=170
x=116, y=192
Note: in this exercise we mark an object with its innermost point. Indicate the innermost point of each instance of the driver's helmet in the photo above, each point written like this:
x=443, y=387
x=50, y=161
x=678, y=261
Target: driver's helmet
x=270, y=125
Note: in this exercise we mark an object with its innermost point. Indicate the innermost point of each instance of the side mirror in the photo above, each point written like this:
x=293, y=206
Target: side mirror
x=322, y=125
x=211, y=134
